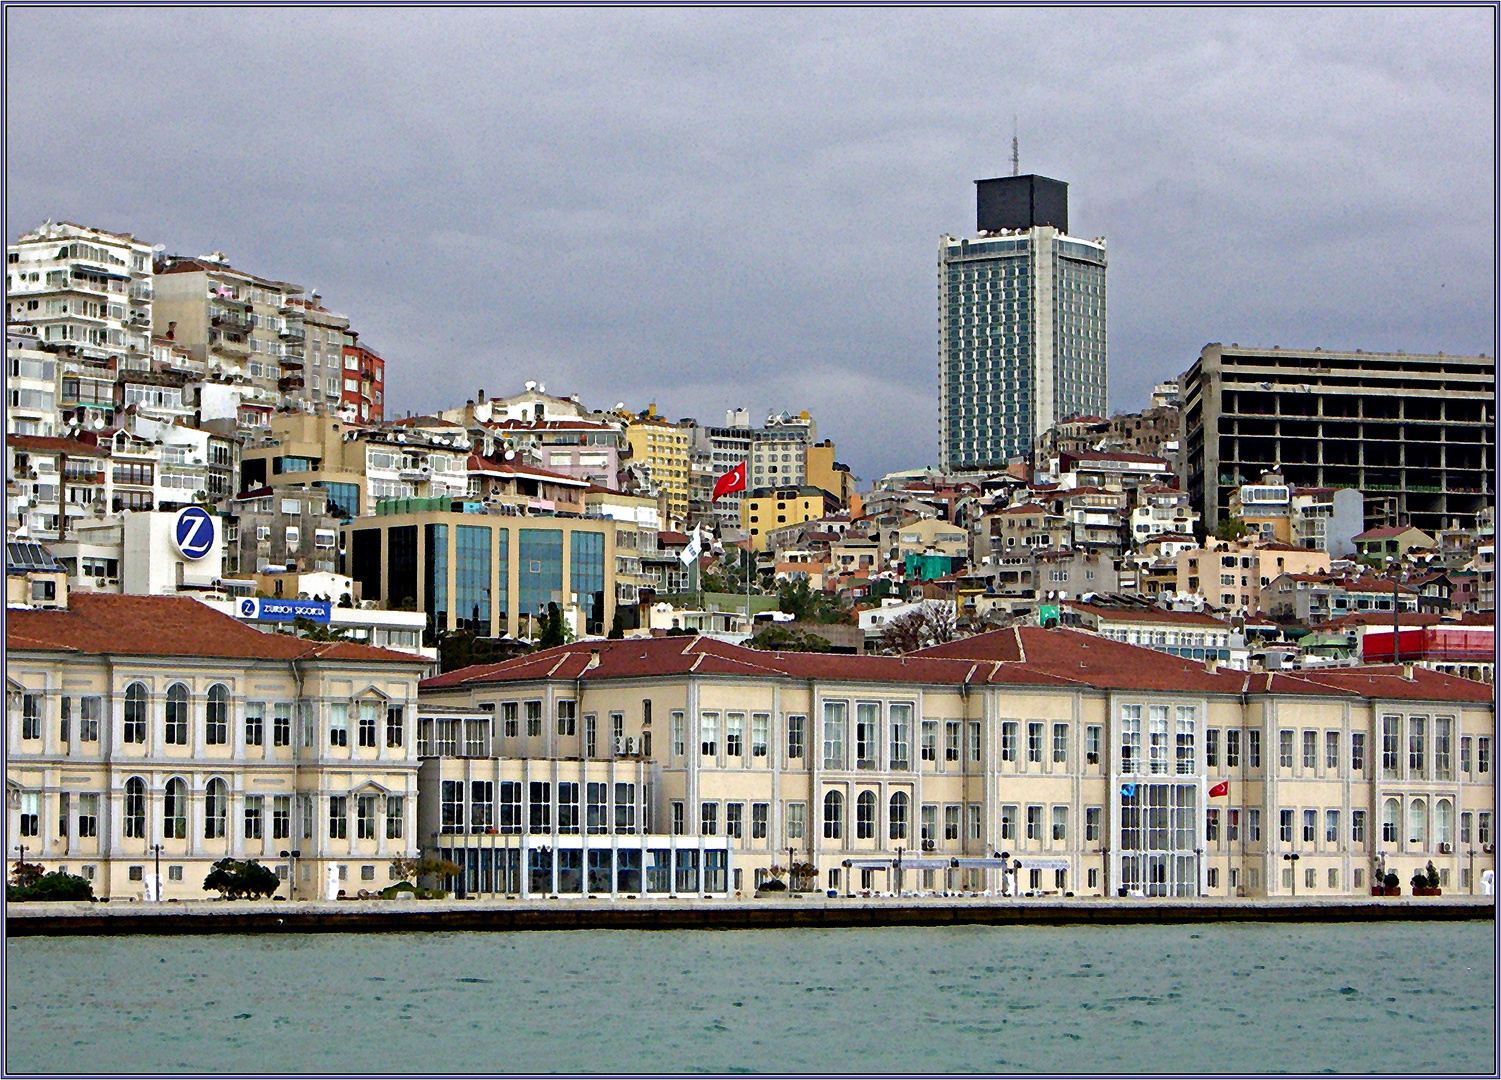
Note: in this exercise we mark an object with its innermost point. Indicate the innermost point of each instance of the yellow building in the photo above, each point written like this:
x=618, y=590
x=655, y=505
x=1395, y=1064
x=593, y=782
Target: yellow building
x=138, y=721
x=768, y=509
x=1044, y=761
x=662, y=446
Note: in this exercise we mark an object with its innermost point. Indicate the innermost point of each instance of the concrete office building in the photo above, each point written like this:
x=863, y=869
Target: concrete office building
x=1415, y=434
x=1021, y=338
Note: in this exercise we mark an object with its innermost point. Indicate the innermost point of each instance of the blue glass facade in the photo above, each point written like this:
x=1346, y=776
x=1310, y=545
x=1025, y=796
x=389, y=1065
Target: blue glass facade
x=436, y=597
x=540, y=570
x=586, y=577
x=471, y=579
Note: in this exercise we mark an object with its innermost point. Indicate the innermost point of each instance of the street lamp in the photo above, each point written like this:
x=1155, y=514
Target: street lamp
x=1198, y=871
x=157, y=850
x=291, y=857
x=1005, y=858
x=1293, y=860
x=790, y=849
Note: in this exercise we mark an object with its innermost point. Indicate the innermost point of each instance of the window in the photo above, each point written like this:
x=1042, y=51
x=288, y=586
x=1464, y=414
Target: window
x=135, y=808
x=1417, y=823
x=510, y=719
x=567, y=717
x=1092, y=744
x=1483, y=754
x=1310, y=751
x=31, y=716
x=1184, y=744
x=177, y=715
x=1008, y=740
x=1285, y=826
x=255, y=719
x=215, y=809
x=1391, y=814
x=974, y=740
x=796, y=735
x=597, y=811
x=1443, y=822
x=709, y=734
x=1232, y=824
x=135, y=713
x=1415, y=745
x=481, y=807
x=1092, y=818
x=338, y=814
x=338, y=724
x=1130, y=739
x=865, y=815
x=1357, y=827
x=175, y=810
x=734, y=734
x=30, y=812
x=216, y=716
x=1211, y=748
x=1034, y=742
x=760, y=733
x=833, y=815
x=1310, y=826
x=540, y=806
x=834, y=715
x=929, y=823
x=1331, y=751
x=1060, y=823
x=1357, y=751
x=952, y=731
x=510, y=806
x=281, y=724
x=88, y=814
x=533, y=718
x=1157, y=739
x=1008, y=822
x=1464, y=753
x=796, y=812
x=759, y=813
x=974, y=821
x=897, y=810
x=1034, y=823
x=1390, y=745
x=1443, y=737
x=1466, y=819
x=1211, y=824
x=734, y=820
x=1253, y=749
x=568, y=807
x=930, y=740
x=254, y=805
x=281, y=817
x=369, y=715
x=1285, y=748
x=1483, y=827
x=951, y=822
x=395, y=725
x=89, y=710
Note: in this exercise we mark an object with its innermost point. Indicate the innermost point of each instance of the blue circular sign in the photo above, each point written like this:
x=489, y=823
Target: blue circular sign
x=193, y=532
x=247, y=608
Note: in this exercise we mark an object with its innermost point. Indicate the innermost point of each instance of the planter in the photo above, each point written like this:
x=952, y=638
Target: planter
x=1427, y=892
x=1378, y=890
x=1393, y=890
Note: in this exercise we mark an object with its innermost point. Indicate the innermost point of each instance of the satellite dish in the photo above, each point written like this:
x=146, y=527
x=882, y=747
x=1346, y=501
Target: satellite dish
x=510, y=454
x=98, y=423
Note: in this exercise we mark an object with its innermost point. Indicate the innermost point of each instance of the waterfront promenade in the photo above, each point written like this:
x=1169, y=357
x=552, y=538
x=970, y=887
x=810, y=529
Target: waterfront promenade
x=355, y=916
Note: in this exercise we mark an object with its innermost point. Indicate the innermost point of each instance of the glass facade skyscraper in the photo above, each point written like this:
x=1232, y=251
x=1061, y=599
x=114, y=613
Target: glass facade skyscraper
x=1021, y=325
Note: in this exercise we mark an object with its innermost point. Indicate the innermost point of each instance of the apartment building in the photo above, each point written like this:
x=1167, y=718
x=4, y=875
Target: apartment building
x=323, y=337
x=138, y=721
x=1415, y=434
x=661, y=446
x=763, y=510
x=32, y=385
x=1231, y=576
x=1087, y=761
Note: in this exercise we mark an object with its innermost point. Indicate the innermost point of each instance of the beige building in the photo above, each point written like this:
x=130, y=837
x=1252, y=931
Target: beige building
x=765, y=510
x=152, y=730
x=1080, y=764
x=662, y=446
x=1230, y=576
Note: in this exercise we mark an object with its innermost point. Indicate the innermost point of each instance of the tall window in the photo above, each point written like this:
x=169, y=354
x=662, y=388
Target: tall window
x=1310, y=826
x=338, y=723
x=834, y=718
x=708, y=819
x=471, y=579
x=395, y=816
x=1415, y=732
x=734, y=734
x=1357, y=827
x=281, y=817
x=899, y=716
x=254, y=810
x=255, y=722
x=1391, y=745
x=510, y=719
x=281, y=724
x=796, y=820
x=951, y=822
x=1232, y=748
x=533, y=718
x=369, y=718
x=708, y=734
x=395, y=725
x=175, y=810
x=1060, y=744
x=865, y=815
x=1253, y=748
x=597, y=814
x=216, y=716
x=867, y=734
x=568, y=807
x=1443, y=739
x=1310, y=751
x=1060, y=823
x=567, y=717
x=1184, y=745
x=364, y=817
x=1008, y=740
x=31, y=719
x=135, y=807
x=952, y=735
x=135, y=713
x=1417, y=823
x=930, y=740
x=338, y=817
x=1211, y=748
x=215, y=809
x=1130, y=739
x=510, y=806
x=1034, y=742
x=481, y=805
x=734, y=820
x=760, y=733
x=1357, y=751
x=1157, y=733
x=177, y=715
x=833, y=815
x=1285, y=748
x=974, y=740
x=88, y=814
x=1391, y=820
x=1008, y=822
x=540, y=806
x=625, y=809
x=899, y=812
x=90, y=708
x=796, y=736
x=1331, y=752
x=1092, y=740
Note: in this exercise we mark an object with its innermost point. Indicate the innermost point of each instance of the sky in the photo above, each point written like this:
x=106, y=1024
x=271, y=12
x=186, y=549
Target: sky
x=737, y=207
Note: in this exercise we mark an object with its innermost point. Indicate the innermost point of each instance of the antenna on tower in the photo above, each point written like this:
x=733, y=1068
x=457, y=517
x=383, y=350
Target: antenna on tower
x=1016, y=162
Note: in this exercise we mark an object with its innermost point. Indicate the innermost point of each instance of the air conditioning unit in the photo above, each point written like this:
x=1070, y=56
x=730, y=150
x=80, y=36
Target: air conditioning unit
x=1488, y=848
x=621, y=746
x=1446, y=849
x=930, y=845
x=630, y=745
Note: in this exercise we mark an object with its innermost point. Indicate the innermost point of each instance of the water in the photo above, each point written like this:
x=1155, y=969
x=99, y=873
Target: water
x=1237, y=997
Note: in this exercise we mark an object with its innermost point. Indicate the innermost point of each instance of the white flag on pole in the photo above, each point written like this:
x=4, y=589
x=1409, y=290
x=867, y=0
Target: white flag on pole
x=691, y=552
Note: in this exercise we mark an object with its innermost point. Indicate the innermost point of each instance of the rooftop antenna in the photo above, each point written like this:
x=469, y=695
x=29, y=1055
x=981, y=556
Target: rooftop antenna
x=1016, y=164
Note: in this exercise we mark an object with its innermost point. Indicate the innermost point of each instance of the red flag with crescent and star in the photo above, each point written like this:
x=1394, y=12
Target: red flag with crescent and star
x=734, y=480
x=1222, y=788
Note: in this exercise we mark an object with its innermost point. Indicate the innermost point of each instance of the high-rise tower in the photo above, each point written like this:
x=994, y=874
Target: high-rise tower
x=1021, y=338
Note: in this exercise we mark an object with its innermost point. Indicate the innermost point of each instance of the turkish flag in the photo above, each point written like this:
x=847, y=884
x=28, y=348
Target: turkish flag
x=734, y=480
x=1222, y=788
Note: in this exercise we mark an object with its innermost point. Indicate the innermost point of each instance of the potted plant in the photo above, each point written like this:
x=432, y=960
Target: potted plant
x=1393, y=885
x=1425, y=882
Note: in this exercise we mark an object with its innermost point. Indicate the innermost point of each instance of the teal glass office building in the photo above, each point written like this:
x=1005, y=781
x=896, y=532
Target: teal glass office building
x=1022, y=340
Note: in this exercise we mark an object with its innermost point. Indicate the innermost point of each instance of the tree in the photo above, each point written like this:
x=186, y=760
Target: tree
x=779, y=638
x=617, y=628
x=234, y=879
x=1231, y=528
x=427, y=866
x=312, y=631
x=805, y=604
x=930, y=624
x=552, y=628
x=54, y=886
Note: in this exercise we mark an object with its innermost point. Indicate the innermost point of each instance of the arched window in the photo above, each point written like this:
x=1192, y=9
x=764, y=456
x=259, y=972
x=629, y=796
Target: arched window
x=833, y=815
x=1443, y=821
x=135, y=713
x=1417, y=823
x=135, y=807
x=1391, y=820
x=865, y=815
x=175, y=810
x=177, y=715
x=214, y=810
x=899, y=804
x=216, y=716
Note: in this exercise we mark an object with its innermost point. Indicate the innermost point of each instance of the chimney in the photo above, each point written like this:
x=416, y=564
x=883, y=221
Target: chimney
x=593, y=660
x=171, y=330
x=1212, y=664
x=482, y=395
x=1407, y=670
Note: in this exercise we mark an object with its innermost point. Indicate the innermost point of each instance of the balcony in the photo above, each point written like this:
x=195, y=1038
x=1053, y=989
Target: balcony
x=289, y=382
x=293, y=333
x=291, y=362
x=141, y=291
x=235, y=323
x=225, y=344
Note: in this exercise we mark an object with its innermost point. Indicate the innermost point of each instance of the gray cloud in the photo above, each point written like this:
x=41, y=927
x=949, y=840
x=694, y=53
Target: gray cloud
x=722, y=207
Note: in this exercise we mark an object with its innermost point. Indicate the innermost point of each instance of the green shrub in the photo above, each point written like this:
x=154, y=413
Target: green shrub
x=54, y=886
x=233, y=879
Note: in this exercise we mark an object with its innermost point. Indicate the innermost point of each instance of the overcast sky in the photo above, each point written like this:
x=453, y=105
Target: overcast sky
x=741, y=207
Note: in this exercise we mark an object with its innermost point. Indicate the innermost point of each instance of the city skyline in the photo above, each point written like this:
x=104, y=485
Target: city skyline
x=629, y=217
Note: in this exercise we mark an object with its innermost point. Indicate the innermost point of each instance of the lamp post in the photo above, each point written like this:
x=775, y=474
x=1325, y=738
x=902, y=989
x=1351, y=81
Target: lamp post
x=1293, y=860
x=291, y=856
x=1472, y=869
x=1005, y=858
x=1198, y=871
x=156, y=849
x=790, y=849
x=897, y=884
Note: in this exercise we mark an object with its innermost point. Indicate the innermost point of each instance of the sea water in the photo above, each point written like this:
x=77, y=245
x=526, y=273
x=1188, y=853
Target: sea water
x=1234, y=997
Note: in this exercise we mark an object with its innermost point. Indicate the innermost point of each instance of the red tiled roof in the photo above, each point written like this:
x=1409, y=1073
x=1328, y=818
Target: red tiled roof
x=1148, y=615
x=479, y=464
x=1385, y=532
x=101, y=623
x=1390, y=681
x=53, y=445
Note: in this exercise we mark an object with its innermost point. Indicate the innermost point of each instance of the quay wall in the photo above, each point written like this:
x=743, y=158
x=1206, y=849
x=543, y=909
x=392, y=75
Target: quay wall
x=371, y=916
